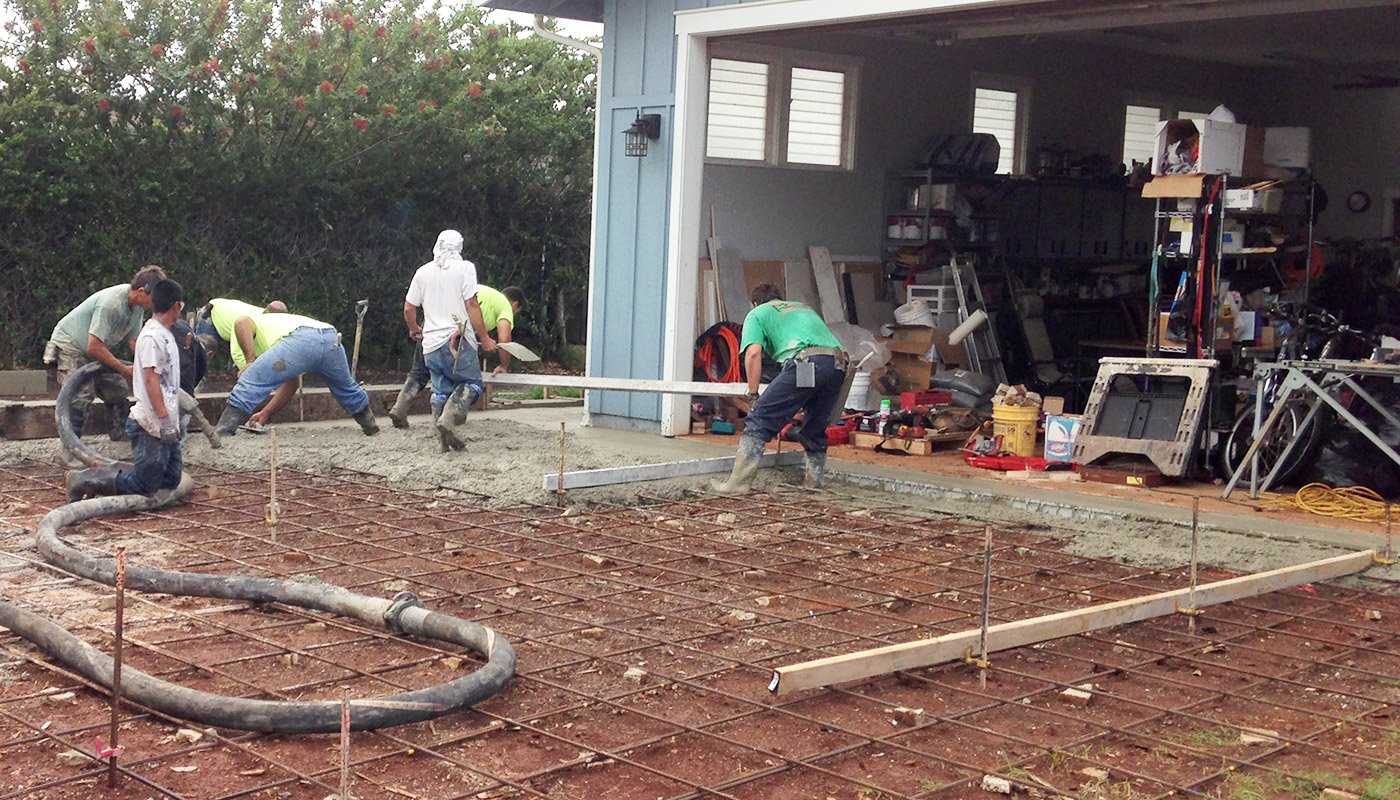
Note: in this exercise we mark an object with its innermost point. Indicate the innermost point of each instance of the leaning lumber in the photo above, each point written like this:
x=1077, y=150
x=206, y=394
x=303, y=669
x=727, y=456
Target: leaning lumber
x=1007, y=635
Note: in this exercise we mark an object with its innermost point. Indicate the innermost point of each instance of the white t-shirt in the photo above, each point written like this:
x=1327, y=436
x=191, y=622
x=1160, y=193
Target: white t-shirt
x=155, y=347
x=442, y=293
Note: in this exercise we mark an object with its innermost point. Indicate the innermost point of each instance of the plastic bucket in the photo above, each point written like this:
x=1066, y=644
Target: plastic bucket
x=856, y=398
x=1016, y=427
x=914, y=312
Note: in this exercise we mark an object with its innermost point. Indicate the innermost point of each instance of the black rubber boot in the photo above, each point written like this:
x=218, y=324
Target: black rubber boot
x=399, y=413
x=231, y=419
x=745, y=468
x=438, y=406
x=91, y=482
x=367, y=422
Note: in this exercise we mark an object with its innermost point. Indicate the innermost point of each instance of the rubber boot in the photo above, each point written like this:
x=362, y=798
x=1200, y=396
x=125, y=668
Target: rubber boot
x=438, y=406
x=459, y=404
x=91, y=482
x=815, y=475
x=117, y=413
x=745, y=468
x=231, y=419
x=453, y=414
x=367, y=422
x=399, y=413
x=189, y=405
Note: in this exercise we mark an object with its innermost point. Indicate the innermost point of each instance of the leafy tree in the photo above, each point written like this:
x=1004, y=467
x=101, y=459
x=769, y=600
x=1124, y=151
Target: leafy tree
x=281, y=148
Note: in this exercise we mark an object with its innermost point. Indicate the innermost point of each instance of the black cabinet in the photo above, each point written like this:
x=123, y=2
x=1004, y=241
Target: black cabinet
x=1063, y=219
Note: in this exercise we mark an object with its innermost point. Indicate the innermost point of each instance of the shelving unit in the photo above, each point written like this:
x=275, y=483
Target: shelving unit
x=932, y=219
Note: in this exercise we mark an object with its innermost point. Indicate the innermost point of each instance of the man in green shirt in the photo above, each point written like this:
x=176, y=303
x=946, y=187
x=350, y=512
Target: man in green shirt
x=283, y=347
x=217, y=319
x=89, y=332
x=498, y=310
x=814, y=370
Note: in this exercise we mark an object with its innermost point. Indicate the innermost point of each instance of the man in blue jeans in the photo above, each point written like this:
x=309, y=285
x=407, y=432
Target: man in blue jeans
x=814, y=370
x=153, y=427
x=283, y=347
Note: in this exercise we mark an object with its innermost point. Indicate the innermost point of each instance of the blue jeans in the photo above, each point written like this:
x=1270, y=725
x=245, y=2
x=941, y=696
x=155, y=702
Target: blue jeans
x=157, y=467
x=203, y=326
x=783, y=399
x=448, y=374
x=303, y=350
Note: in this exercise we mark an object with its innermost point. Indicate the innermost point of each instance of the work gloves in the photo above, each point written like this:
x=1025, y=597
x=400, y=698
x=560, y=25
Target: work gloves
x=169, y=432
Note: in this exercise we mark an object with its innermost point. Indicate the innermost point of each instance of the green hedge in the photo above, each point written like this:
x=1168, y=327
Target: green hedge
x=281, y=149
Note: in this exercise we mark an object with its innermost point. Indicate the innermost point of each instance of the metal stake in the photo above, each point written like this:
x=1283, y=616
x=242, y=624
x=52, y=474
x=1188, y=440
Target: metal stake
x=272, y=508
x=345, y=743
x=117, y=671
x=1191, y=595
x=559, y=492
x=986, y=607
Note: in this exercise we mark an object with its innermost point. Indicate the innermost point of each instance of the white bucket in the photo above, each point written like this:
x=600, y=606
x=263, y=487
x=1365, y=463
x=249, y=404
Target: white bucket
x=914, y=312
x=857, y=397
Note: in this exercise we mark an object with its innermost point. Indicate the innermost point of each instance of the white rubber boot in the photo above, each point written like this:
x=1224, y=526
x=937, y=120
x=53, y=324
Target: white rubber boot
x=740, y=479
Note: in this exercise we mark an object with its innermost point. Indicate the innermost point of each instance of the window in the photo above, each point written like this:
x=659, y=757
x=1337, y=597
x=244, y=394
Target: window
x=999, y=108
x=780, y=107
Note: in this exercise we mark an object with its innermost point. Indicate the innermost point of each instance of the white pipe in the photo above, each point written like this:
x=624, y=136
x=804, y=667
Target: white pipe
x=972, y=323
x=545, y=33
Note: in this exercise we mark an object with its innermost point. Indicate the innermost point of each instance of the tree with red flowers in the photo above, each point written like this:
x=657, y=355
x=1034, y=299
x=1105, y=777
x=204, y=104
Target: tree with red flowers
x=306, y=152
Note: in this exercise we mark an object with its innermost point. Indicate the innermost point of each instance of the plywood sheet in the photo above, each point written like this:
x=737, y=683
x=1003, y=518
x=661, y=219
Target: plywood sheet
x=871, y=311
x=757, y=272
x=828, y=287
x=801, y=285
x=731, y=284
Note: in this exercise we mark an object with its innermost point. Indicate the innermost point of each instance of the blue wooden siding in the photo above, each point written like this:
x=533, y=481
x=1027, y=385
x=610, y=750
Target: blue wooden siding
x=631, y=226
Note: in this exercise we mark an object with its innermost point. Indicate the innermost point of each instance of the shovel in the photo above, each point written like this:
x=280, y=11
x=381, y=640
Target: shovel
x=517, y=350
x=360, y=308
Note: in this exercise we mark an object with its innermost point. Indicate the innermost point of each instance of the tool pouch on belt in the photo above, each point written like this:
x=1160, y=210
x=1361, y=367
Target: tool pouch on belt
x=806, y=370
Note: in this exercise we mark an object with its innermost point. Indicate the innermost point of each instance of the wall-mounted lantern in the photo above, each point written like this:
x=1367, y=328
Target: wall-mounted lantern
x=647, y=126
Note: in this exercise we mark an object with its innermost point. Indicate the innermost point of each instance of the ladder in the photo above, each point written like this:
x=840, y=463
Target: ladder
x=983, y=351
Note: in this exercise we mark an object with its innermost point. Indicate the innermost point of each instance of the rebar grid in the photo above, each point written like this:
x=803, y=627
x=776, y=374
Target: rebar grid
x=572, y=618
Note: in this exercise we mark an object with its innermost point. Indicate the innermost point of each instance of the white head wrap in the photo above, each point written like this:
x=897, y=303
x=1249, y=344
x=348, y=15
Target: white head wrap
x=448, y=248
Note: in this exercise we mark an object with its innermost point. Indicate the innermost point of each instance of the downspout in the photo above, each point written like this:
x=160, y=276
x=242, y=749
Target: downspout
x=545, y=33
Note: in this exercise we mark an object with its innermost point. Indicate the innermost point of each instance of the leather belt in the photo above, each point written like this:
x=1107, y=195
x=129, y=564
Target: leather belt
x=835, y=352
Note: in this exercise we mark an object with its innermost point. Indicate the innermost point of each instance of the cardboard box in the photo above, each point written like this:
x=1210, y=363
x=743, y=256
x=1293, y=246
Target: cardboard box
x=1290, y=148
x=1219, y=146
x=1180, y=186
x=1163, y=343
x=1260, y=201
x=1232, y=236
x=911, y=346
x=1060, y=430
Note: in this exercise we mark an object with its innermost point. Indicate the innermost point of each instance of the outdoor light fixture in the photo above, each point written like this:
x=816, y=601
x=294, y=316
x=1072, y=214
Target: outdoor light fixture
x=647, y=126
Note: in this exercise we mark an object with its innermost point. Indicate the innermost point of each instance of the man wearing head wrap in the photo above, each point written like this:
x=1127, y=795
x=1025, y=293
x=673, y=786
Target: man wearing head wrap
x=445, y=289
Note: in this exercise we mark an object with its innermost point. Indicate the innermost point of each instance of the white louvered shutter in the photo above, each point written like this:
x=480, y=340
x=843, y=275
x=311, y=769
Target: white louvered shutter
x=816, y=116
x=1140, y=133
x=738, y=118
x=994, y=112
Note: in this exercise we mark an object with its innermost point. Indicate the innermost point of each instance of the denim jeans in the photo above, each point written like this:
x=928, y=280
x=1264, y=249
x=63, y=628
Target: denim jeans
x=448, y=375
x=157, y=467
x=783, y=399
x=303, y=350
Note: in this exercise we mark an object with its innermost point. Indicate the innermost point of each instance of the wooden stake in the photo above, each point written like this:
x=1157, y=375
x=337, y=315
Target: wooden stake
x=117, y=671
x=1006, y=635
x=345, y=743
x=272, y=508
x=561, y=491
x=986, y=607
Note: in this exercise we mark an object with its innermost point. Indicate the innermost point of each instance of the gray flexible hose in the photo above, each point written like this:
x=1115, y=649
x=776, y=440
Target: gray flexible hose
x=404, y=615
x=72, y=440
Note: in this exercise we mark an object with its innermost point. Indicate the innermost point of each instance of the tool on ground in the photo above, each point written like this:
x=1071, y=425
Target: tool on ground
x=254, y=427
x=115, y=749
x=360, y=308
x=518, y=350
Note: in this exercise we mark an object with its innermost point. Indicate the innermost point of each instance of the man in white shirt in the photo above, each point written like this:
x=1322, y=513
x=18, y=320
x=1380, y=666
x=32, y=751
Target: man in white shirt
x=154, y=426
x=445, y=289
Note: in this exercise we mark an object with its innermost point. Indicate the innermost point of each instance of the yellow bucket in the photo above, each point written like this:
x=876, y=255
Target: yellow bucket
x=1016, y=427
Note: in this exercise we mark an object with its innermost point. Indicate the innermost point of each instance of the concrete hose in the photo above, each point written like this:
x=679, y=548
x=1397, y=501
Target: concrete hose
x=72, y=439
x=402, y=615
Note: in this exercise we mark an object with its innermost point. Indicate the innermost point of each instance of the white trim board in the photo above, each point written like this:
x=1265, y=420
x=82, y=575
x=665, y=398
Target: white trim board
x=585, y=479
x=685, y=388
x=1008, y=635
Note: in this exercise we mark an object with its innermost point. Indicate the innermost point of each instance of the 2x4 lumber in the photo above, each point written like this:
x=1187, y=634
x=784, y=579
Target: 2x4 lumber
x=620, y=384
x=1008, y=635
x=610, y=476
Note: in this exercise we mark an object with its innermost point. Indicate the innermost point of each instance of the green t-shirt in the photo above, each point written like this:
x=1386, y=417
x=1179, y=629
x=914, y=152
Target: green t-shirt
x=105, y=314
x=269, y=329
x=494, y=308
x=784, y=327
x=223, y=313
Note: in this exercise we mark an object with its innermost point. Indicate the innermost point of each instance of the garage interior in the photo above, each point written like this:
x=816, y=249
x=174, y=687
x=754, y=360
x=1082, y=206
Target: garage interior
x=1060, y=235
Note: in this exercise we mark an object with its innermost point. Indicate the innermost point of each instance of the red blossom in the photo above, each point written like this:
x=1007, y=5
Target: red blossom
x=211, y=66
x=363, y=91
x=299, y=104
x=267, y=18
x=475, y=89
x=124, y=32
x=493, y=32
x=158, y=50
x=335, y=69
x=331, y=13
x=361, y=123
x=38, y=26
x=24, y=66
x=348, y=23
x=90, y=44
x=386, y=111
x=103, y=105
x=327, y=87
x=226, y=130
x=176, y=111
x=87, y=70
x=281, y=73
x=252, y=79
x=381, y=32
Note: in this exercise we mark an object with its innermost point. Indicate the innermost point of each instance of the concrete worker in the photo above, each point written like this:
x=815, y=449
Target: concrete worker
x=154, y=427
x=217, y=319
x=88, y=333
x=279, y=349
x=814, y=369
x=446, y=290
x=498, y=310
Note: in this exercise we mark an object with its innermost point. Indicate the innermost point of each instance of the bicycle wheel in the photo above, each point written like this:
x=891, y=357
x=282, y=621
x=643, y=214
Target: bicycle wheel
x=1289, y=427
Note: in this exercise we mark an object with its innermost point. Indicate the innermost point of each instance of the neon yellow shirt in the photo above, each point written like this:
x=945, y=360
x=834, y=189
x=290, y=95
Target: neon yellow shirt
x=223, y=313
x=269, y=329
x=494, y=308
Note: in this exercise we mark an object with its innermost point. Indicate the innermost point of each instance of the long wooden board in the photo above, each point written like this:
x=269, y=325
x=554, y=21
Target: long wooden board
x=584, y=479
x=730, y=266
x=828, y=287
x=740, y=389
x=1007, y=635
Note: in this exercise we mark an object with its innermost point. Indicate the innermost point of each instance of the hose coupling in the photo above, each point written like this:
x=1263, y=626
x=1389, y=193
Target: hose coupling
x=402, y=602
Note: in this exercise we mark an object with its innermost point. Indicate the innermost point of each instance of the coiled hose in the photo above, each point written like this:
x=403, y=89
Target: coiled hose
x=402, y=615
